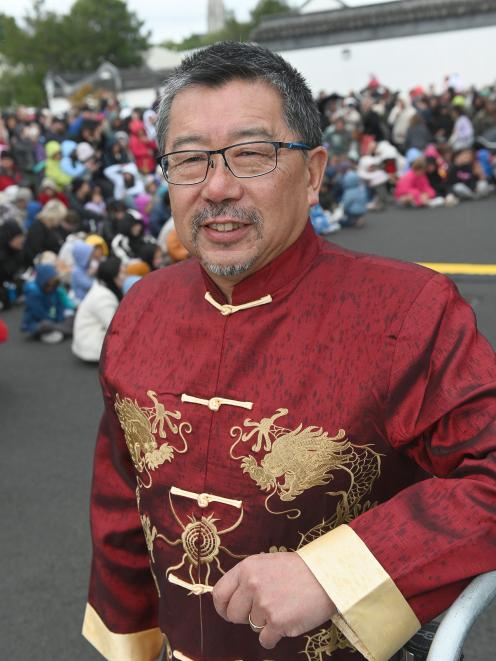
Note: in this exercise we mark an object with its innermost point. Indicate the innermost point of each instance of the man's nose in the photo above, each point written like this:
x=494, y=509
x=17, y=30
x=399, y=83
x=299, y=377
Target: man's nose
x=220, y=183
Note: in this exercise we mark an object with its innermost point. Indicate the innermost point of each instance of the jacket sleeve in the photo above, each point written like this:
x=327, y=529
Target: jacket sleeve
x=105, y=308
x=422, y=547
x=121, y=618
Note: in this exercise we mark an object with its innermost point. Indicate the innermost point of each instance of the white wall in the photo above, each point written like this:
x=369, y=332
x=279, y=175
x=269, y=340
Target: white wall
x=143, y=98
x=401, y=63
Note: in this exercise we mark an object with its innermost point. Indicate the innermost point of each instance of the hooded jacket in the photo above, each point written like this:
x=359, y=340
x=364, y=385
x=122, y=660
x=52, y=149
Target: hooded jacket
x=354, y=198
x=53, y=168
x=81, y=281
x=41, y=306
x=70, y=164
x=95, y=313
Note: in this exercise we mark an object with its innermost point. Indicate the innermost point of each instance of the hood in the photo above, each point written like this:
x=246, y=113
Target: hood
x=127, y=223
x=82, y=252
x=9, y=230
x=351, y=180
x=52, y=148
x=44, y=273
x=68, y=146
x=412, y=155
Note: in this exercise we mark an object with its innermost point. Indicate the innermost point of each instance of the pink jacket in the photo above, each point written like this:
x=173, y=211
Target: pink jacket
x=413, y=183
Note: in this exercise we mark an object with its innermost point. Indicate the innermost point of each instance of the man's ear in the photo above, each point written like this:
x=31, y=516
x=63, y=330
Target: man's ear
x=316, y=165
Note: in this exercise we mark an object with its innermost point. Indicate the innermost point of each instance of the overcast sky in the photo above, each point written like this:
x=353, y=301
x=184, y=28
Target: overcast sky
x=170, y=19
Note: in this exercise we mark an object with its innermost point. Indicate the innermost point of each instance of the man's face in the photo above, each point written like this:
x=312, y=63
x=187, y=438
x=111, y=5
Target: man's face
x=262, y=215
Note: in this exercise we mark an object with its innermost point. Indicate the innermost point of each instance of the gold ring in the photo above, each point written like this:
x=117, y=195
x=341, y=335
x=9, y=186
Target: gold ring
x=254, y=627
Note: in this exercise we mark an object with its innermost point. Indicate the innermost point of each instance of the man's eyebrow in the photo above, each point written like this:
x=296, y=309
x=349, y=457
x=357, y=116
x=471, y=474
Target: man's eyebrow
x=240, y=134
x=252, y=132
x=187, y=139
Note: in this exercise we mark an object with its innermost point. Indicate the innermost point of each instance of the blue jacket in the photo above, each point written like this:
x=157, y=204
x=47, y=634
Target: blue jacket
x=70, y=165
x=41, y=306
x=354, y=198
x=80, y=280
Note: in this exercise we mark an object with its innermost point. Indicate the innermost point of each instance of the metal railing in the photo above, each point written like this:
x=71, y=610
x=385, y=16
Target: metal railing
x=460, y=617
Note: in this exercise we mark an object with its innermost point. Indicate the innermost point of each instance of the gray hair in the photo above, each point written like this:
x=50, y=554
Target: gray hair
x=225, y=61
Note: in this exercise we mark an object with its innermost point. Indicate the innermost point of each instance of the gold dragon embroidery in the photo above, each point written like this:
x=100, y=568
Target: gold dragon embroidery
x=141, y=425
x=150, y=533
x=306, y=457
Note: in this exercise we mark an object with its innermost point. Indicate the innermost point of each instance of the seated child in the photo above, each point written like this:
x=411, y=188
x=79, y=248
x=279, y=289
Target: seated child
x=44, y=313
x=413, y=188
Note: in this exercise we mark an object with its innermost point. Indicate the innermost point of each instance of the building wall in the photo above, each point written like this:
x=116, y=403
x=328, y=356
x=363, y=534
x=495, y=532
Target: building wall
x=400, y=63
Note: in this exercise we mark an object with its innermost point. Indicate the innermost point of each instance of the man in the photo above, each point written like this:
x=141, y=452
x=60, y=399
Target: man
x=276, y=407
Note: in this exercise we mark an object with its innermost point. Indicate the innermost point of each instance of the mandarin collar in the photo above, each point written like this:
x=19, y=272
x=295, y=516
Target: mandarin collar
x=278, y=273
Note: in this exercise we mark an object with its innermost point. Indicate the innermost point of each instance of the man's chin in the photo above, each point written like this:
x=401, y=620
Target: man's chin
x=228, y=270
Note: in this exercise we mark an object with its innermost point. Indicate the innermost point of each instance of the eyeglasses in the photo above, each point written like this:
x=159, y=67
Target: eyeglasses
x=244, y=160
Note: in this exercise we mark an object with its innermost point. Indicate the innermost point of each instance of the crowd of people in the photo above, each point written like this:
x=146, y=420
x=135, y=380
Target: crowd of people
x=85, y=210
x=415, y=149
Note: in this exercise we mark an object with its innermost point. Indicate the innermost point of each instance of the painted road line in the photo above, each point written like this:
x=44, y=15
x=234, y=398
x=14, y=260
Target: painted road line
x=461, y=269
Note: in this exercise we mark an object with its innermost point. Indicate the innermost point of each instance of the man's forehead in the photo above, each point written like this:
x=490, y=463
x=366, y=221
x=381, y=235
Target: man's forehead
x=237, y=110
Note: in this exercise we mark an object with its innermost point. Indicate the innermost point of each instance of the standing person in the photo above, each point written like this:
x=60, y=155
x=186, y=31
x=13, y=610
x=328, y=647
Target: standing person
x=95, y=312
x=276, y=406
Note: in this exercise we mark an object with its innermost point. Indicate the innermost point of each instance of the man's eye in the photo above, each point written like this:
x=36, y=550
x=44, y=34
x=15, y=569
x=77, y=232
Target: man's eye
x=192, y=159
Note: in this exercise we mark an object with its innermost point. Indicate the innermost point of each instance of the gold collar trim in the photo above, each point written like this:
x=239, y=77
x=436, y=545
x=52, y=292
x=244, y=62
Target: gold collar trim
x=195, y=588
x=215, y=403
x=228, y=309
x=204, y=499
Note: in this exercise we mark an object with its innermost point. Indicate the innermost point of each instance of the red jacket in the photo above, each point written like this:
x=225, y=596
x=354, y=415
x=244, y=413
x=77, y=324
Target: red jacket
x=324, y=398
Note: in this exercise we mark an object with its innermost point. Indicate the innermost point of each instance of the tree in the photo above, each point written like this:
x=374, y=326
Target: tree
x=104, y=30
x=233, y=30
x=268, y=8
x=93, y=31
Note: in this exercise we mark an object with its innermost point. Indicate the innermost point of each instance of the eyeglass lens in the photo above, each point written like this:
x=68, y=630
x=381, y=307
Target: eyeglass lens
x=248, y=160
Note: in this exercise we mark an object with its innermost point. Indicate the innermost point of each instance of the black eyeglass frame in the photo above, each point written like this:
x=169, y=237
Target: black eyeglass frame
x=210, y=152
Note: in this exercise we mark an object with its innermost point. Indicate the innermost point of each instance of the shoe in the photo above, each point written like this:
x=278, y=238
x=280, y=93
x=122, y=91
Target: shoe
x=375, y=206
x=436, y=202
x=333, y=227
x=451, y=200
x=53, y=337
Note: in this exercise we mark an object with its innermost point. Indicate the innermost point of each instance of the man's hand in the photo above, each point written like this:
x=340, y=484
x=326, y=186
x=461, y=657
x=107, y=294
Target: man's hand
x=278, y=591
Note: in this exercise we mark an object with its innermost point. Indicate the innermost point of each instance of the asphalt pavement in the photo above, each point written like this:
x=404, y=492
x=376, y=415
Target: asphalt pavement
x=49, y=410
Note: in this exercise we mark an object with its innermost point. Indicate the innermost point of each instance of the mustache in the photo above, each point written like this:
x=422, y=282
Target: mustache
x=250, y=215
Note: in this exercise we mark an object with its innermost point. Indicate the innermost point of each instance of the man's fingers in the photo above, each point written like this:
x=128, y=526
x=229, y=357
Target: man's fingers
x=269, y=637
x=239, y=606
x=223, y=591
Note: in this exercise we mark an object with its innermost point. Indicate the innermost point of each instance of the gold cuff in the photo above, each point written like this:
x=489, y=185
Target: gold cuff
x=140, y=646
x=371, y=611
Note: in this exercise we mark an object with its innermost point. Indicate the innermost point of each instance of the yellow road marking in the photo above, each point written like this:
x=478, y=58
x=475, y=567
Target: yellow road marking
x=461, y=269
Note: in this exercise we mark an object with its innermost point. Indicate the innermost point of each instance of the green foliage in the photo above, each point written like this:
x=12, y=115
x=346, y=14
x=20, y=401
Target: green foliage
x=268, y=8
x=92, y=32
x=233, y=30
